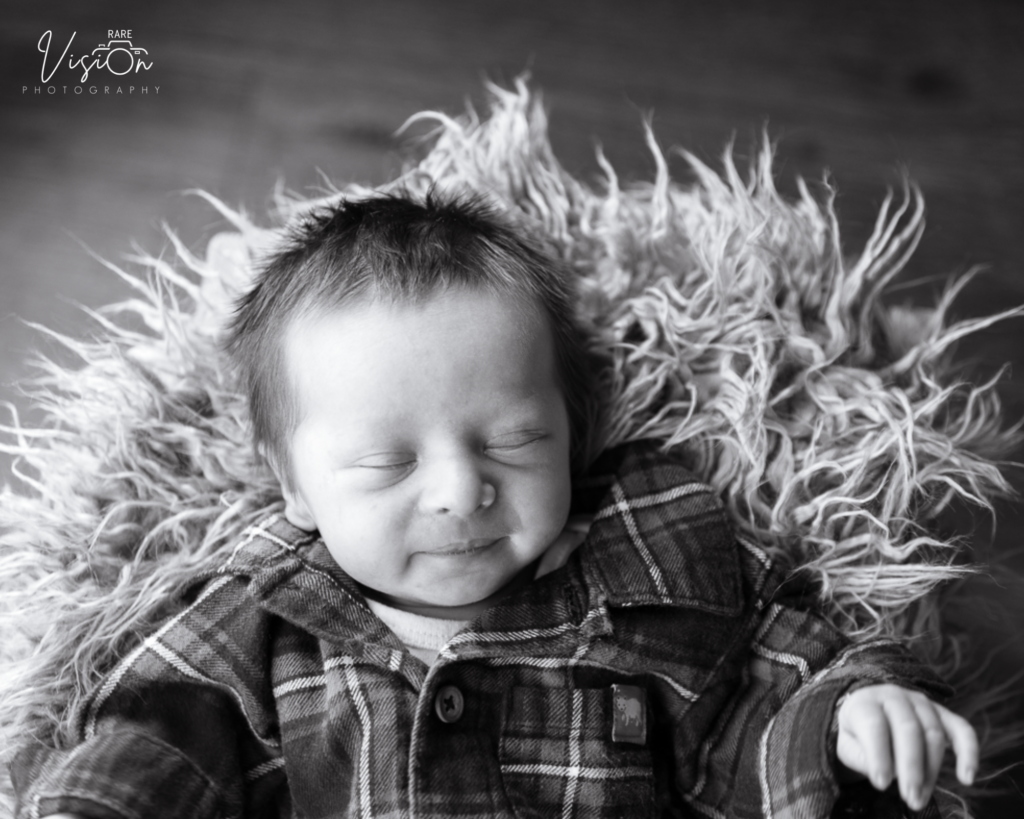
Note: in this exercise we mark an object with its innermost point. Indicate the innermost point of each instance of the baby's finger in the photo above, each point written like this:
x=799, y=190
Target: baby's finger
x=908, y=749
x=964, y=741
x=935, y=742
x=868, y=729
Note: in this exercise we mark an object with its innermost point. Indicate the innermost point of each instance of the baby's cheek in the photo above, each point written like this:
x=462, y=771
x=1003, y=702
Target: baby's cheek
x=547, y=510
x=351, y=538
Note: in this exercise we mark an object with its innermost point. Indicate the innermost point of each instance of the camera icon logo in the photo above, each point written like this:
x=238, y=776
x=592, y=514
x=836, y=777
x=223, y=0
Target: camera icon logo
x=123, y=49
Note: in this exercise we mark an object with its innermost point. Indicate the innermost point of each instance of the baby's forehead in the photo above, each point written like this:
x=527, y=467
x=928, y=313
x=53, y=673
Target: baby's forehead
x=395, y=310
x=464, y=360
x=463, y=323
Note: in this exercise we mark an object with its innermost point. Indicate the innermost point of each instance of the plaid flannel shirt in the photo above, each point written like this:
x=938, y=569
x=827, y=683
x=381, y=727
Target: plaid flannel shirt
x=276, y=691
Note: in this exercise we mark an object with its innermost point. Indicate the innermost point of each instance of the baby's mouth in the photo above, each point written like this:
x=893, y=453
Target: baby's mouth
x=464, y=547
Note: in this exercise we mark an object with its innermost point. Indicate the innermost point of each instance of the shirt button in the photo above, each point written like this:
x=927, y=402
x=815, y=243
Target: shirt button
x=449, y=703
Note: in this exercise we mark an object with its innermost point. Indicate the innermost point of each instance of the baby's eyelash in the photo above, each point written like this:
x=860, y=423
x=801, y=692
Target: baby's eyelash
x=388, y=466
x=517, y=442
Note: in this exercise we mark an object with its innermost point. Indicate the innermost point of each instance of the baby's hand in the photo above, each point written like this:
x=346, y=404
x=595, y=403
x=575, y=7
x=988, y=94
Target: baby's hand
x=886, y=730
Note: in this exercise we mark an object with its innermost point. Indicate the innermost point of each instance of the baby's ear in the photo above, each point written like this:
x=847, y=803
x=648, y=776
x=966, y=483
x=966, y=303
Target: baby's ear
x=295, y=508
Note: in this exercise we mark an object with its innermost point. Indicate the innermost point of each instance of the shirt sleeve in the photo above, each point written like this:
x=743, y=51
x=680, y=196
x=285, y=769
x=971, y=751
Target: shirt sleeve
x=180, y=728
x=775, y=749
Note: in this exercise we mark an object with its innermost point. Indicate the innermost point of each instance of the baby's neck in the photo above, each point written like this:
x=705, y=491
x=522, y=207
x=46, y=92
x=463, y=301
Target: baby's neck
x=468, y=611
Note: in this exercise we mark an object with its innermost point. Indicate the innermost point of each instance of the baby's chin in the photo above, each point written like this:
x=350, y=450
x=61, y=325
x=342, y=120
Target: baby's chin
x=462, y=603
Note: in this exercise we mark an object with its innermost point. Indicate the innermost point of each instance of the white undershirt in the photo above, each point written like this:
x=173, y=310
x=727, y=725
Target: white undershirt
x=423, y=636
x=426, y=636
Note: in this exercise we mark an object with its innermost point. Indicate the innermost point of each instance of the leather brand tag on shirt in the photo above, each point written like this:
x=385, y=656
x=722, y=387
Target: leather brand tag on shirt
x=629, y=710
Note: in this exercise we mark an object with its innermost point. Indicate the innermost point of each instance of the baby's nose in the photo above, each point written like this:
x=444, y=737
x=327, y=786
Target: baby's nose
x=458, y=487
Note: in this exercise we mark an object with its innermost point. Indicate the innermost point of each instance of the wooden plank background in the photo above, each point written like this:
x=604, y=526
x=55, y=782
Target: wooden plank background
x=256, y=92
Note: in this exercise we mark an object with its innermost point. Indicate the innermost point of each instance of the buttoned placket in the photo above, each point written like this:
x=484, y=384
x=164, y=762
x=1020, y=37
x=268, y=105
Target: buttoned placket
x=568, y=638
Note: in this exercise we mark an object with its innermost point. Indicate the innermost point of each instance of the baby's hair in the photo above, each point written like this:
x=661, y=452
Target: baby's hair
x=397, y=248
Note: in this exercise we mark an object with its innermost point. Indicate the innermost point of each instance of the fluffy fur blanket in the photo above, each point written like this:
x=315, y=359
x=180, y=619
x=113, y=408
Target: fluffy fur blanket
x=832, y=423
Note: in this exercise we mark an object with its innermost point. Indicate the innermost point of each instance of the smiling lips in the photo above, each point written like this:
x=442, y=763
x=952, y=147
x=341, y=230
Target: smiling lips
x=464, y=547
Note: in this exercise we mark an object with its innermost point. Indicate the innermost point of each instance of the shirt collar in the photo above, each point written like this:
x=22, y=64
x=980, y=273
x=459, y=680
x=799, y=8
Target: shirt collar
x=292, y=574
x=660, y=536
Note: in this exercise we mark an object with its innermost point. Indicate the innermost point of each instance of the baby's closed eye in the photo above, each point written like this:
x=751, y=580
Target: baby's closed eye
x=386, y=461
x=526, y=448
x=512, y=441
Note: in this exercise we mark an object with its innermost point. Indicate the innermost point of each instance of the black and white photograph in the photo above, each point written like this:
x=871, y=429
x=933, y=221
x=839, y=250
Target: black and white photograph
x=481, y=409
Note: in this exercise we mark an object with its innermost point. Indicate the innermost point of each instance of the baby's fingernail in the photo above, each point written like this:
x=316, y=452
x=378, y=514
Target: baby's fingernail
x=969, y=774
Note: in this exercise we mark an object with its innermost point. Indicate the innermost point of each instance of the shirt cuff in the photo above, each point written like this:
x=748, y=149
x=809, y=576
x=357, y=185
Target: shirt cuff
x=797, y=757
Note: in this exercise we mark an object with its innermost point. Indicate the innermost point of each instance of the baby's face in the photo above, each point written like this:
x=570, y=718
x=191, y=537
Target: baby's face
x=432, y=450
